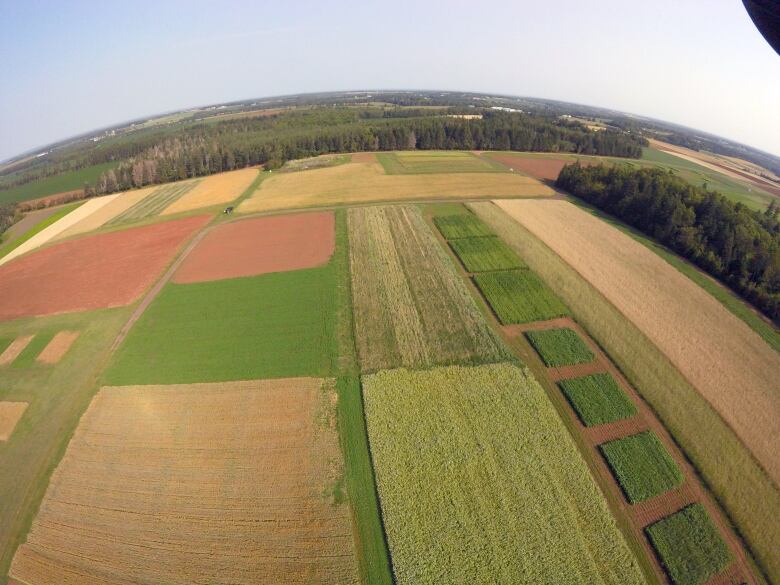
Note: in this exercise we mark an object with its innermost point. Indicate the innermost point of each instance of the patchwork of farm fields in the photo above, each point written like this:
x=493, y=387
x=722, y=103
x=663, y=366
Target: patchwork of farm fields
x=154, y=202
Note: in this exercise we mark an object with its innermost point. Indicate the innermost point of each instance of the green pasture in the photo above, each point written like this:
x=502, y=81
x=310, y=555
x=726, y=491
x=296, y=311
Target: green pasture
x=69, y=181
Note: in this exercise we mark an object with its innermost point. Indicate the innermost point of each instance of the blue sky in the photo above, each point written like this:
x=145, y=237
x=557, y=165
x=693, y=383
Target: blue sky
x=70, y=67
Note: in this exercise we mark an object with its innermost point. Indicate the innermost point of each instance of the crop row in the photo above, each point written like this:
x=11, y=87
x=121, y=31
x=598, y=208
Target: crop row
x=154, y=203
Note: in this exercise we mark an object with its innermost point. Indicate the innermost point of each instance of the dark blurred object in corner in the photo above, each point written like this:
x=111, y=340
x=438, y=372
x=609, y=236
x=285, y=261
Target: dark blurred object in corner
x=766, y=17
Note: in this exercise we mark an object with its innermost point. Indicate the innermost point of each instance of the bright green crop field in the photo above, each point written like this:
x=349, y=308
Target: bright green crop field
x=642, y=466
x=689, y=546
x=597, y=399
x=462, y=225
x=69, y=181
x=485, y=254
x=268, y=326
x=560, y=347
x=481, y=483
x=519, y=296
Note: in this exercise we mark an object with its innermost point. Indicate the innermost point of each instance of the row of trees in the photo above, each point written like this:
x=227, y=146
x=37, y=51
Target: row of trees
x=213, y=147
x=731, y=242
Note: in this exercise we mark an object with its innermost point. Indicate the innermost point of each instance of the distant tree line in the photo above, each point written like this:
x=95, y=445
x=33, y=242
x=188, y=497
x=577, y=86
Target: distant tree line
x=739, y=246
x=213, y=147
x=8, y=216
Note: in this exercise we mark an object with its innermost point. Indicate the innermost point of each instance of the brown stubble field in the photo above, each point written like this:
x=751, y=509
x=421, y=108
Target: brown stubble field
x=205, y=483
x=728, y=363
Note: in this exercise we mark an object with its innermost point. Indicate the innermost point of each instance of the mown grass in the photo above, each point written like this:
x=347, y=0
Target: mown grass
x=269, y=326
x=37, y=228
x=70, y=181
x=485, y=254
x=597, y=399
x=460, y=226
x=35, y=347
x=57, y=395
x=689, y=546
x=560, y=347
x=739, y=484
x=480, y=482
x=416, y=162
x=519, y=296
x=642, y=466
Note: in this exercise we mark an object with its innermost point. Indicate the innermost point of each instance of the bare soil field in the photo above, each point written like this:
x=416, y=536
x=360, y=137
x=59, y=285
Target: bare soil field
x=55, y=229
x=120, y=203
x=12, y=351
x=214, y=190
x=362, y=182
x=58, y=347
x=364, y=157
x=10, y=413
x=203, y=483
x=257, y=246
x=105, y=270
x=544, y=169
x=727, y=362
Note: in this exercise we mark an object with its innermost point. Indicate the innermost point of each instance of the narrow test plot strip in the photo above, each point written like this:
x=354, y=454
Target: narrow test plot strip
x=560, y=347
x=58, y=347
x=597, y=399
x=689, y=546
x=462, y=225
x=14, y=349
x=27, y=357
x=485, y=254
x=642, y=466
x=519, y=296
x=10, y=413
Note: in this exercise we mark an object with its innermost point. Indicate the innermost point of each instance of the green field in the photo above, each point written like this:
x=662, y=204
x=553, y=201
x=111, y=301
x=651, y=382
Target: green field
x=642, y=466
x=39, y=227
x=29, y=353
x=154, y=203
x=519, y=296
x=480, y=482
x=742, y=488
x=57, y=395
x=69, y=181
x=269, y=326
x=411, y=307
x=560, y=347
x=597, y=399
x=414, y=162
x=689, y=546
x=485, y=254
x=463, y=225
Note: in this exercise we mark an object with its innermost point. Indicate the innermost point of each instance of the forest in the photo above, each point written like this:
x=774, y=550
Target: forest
x=739, y=246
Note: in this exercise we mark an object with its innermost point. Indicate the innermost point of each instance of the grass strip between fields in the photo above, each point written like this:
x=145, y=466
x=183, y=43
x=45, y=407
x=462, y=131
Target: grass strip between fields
x=689, y=546
x=39, y=227
x=519, y=296
x=597, y=399
x=560, y=347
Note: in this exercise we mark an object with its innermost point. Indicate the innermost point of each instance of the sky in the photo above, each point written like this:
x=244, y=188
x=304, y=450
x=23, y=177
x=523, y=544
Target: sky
x=71, y=67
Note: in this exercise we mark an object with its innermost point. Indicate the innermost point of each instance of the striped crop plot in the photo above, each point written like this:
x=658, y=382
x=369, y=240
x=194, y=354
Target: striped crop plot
x=207, y=483
x=597, y=399
x=642, y=466
x=155, y=202
x=519, y=296
x=689, y=546
x=485, y=254
x=481, y=483
x=413, y=162
x=462, y=225
x=411, y=308
x=560, y=347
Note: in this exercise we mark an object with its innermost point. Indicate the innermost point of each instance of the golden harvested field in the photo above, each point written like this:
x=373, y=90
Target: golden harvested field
x=203, y=483
x=10, y=413
x=727, y=362
x=14, y=349
x=119, y=203
x=57, y=347
x=214, y=190
x=362, y=182
x=411, y=307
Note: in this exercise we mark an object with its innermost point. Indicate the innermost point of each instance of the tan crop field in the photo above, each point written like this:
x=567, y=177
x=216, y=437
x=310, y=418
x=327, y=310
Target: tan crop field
x=118, y=204
x=10, y=413
x=203, y=483
x=362, y=182
x=726, y=361
x=58, y=347
x=214, y=190
x=411, y=308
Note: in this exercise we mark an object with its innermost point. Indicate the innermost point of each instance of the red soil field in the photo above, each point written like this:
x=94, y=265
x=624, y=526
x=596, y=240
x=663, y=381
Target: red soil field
x=257, y=246
x=106, y=270
x=538, y=168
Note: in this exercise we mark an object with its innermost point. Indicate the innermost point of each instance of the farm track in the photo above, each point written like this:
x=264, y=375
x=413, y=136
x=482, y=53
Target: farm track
x=645, y=513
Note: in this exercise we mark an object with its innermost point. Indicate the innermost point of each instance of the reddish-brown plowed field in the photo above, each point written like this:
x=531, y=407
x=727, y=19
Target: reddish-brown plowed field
x=106, y=270
x=538, y=168
x=258, y=246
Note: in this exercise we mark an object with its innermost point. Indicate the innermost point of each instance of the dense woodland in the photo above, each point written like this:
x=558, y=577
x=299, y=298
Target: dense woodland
x=739, y=246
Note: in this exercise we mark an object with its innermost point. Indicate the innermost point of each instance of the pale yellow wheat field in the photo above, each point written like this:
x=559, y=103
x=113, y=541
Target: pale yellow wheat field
x=726, y=361
x=361, y=182
x=202, y=483
x=214, y=190
x=118, y=203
